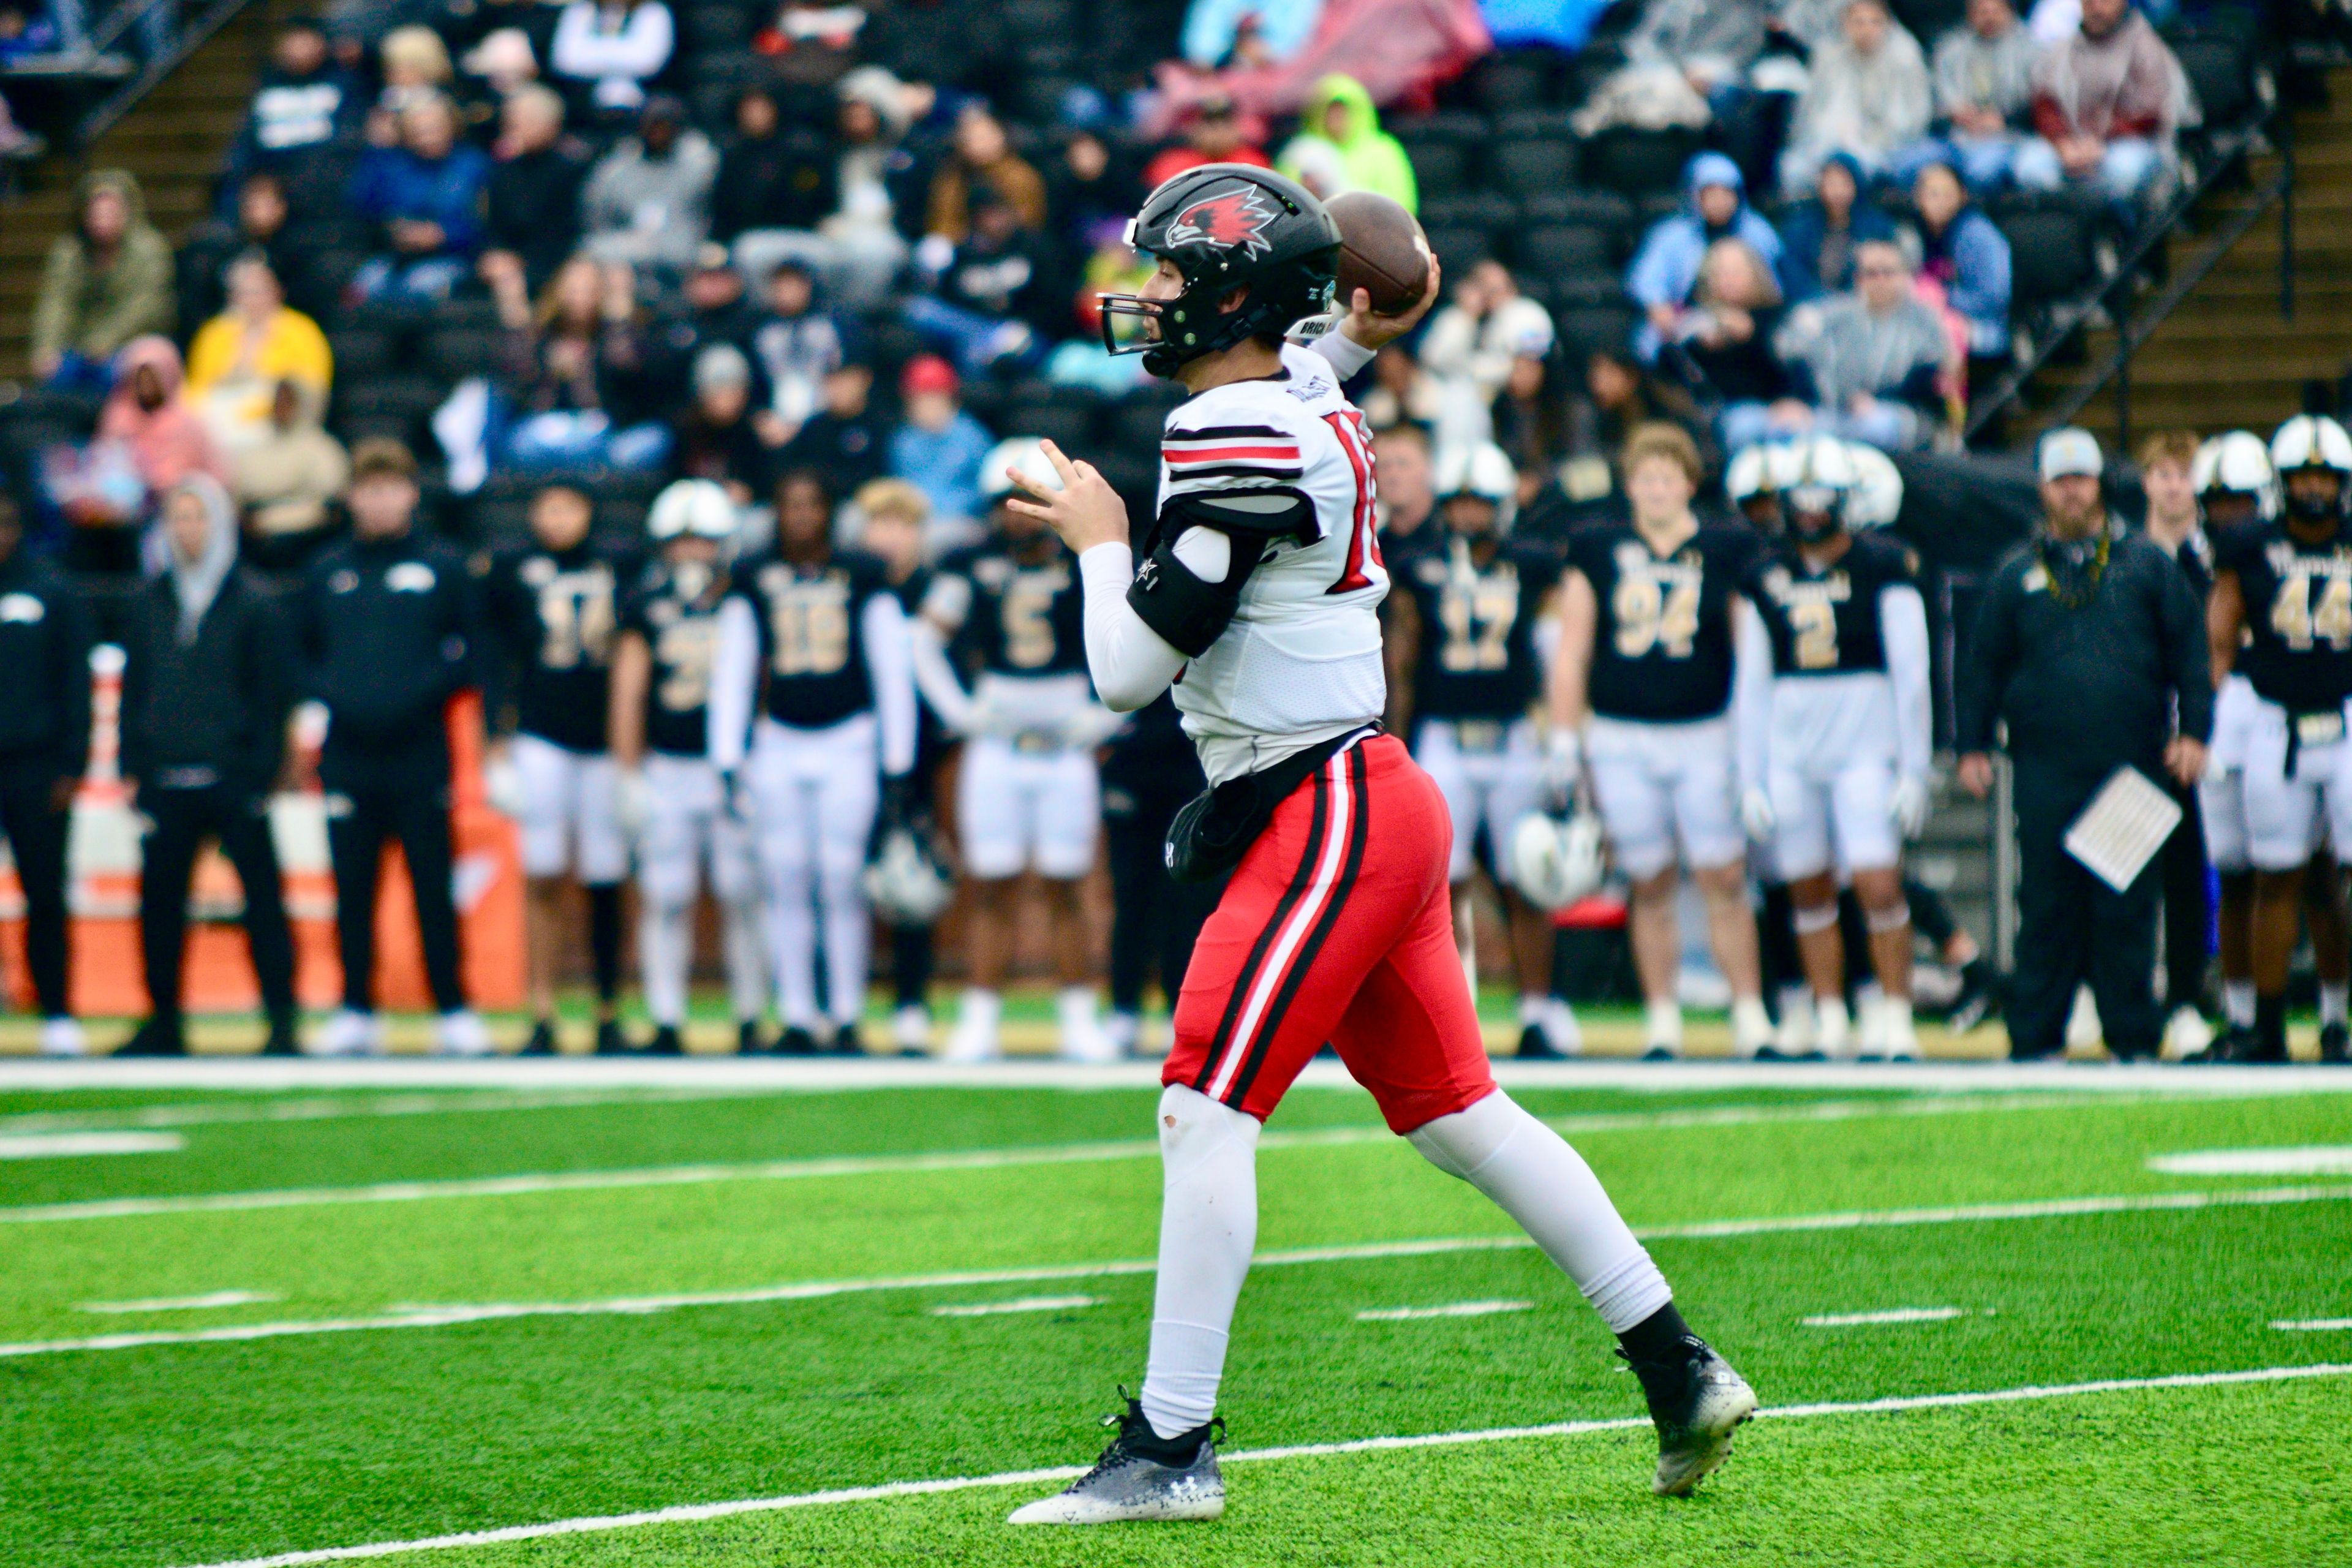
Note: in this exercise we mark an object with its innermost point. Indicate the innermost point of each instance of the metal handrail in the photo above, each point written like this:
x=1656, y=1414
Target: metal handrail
x=193, y=35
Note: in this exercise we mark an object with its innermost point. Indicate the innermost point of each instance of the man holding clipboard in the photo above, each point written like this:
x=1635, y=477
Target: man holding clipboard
x=2090, y=648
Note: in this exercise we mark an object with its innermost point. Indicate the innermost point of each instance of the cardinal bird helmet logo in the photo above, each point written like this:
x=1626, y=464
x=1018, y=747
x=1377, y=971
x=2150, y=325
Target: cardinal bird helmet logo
x=1236, y=216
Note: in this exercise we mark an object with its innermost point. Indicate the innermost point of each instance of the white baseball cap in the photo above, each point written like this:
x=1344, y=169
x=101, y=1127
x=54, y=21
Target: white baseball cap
x=2071, y=451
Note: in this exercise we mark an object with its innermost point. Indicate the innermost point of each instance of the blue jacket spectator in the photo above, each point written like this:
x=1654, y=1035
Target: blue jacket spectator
x=1965, y=253
x=1818, y=237
x=425, y=195
x=1665, y=269
x=940, y=447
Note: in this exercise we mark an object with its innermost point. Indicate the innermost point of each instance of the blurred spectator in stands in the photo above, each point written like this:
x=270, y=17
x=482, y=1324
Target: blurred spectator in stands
x=532, y=207
x=1213, y=133
x=987, y=293
x=239, y=357
x=813, y=42
x=1619, y=393
x=1665, y=269
x=1472, y=344
x=1401, y=392
x=1722, y=347
x=1086, y=186
x=286, y=481
x=717, y=310
x=414, y=65
x=28, y=31
x=1984, y=94
x=980, y=155
x=1964, y=254
x=859, y=250
x=793, y=348
x=1405, y=480
x=260, y=224
x=1341, y=147
x=104, y=284
x=1219, y=33
x=148, y=414
x=45, y=645
x=1530, y=415
x=648, y=202
x=616, y=47
x=579, y=368
x=2107, y=104
x=717, y=440
x=769, y=178
x=504, y=62
x=1818, y=237
x=1870, y=97
x=1870, y=362
x=845, y=440
x=425, y=197
x=939, y=448
x=1709, y=44
x=302, y=125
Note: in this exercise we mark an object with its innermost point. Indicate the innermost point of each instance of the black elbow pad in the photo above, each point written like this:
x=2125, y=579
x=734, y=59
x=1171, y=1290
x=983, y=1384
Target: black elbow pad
x=1187, y=611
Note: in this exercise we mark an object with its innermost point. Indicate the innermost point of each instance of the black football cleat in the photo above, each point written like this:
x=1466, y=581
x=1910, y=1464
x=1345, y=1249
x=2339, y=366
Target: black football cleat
x=2335, y=1043
x=1535, y=1046
x=610, y=1039
x=158, y=1037
x=749, y=1041
x=666, y=1042
x=1696, y=1402
x=796, y=1041
x=282, y=1040
x=1141, y=1476
x=1980, y=997
x=543, y=1040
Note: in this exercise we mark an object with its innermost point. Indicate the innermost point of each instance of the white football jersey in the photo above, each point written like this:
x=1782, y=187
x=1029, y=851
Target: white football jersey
x=1301, y=661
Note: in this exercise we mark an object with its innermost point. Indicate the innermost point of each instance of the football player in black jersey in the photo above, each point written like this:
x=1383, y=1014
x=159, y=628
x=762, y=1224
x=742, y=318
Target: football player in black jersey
x=1011, y=614
x=1835, y=741
x=552, y=607
x=1639, y=697
x=672, y=800
x=813, y=641
x=2281, y=615
x=1463, y=632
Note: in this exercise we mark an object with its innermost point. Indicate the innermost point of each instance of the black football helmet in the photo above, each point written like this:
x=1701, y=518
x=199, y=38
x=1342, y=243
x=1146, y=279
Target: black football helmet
x=1224, y=226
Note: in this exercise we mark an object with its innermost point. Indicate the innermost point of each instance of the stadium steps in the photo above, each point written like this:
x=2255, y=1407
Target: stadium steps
x=174, y=141
x=2226, y=357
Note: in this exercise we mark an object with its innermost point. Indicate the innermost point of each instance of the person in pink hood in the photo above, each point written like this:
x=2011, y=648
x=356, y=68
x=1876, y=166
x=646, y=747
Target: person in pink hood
x=147, y=414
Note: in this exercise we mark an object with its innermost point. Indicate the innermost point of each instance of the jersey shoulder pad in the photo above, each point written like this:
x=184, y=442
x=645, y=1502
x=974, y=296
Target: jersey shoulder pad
x=1887, y=558
x=1593, y=546
x=2234, y=547
x=1534, y=562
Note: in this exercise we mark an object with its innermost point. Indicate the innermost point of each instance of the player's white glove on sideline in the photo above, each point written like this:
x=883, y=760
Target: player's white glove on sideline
x=502, y=783
x=1756, y=813
x=633, y=802
x=1907, y=805
x=1563, y=765
x=1090, y=727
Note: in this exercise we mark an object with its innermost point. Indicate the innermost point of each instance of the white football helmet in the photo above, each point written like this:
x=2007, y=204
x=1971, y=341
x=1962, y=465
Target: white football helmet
x=1823, y=486
x=1557, y=859
x=1483, y=469
x=1750, y=473
x=2237, y=462
x=1877, y=493
x=1026, y=453
x=907, y=882
x=2311, y=441
x=701, y=508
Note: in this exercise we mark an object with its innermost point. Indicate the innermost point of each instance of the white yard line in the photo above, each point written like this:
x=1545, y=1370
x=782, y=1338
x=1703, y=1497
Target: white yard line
x=1892, y=1315
x=347, y=1107
x=2313, y=1325
x=2309, y=1160
x=697, y=1513
x=1451, y=1310
x=432, y=1316
x=1020, y=1304
x=75, y=1145
x=205, y=1303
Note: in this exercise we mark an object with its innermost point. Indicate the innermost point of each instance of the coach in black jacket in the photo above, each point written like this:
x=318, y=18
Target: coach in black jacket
x=206, y=684
x=389, y=627
x=44, y=744
x=2091, y=645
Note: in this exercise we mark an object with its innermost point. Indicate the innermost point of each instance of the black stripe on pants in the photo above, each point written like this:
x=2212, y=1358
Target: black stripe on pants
x=183, y=819
x=36, y=839
x=370, y=799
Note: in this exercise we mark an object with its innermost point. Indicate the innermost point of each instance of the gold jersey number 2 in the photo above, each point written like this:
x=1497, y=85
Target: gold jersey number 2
x=1651, y=615
x=2300, y=623
x=1815, y=623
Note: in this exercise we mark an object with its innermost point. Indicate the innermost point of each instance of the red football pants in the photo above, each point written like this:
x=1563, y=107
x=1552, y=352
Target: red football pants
x=1337, y=925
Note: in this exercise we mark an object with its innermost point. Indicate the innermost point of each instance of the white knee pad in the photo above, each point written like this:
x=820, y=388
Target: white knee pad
x=1194, y=1129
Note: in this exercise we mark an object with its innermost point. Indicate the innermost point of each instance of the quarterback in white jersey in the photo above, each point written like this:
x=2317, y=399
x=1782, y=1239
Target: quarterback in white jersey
x=1255, y=591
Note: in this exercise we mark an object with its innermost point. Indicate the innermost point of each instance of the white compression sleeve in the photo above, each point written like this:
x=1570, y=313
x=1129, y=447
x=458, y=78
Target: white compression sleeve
x=935, y=678
x=890, y=664
x=734, y=684
x=1131, y=663
x=1208, y=1227
x=1752, y=694
x=1345, y=355
x=1536, y=1178
x=1903, y=622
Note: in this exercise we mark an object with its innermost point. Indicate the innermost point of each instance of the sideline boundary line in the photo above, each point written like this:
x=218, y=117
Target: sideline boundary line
x=696, y=1513
x=436, y=1316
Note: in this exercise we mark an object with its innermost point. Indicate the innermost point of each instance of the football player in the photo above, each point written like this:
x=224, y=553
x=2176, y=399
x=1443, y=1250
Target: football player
x=813, y=640
x=1464, y=632
x=1010, y=612
x=552, y=609
x=2281, y=615
x=1259, y=582
x=1836, y=740
x=1641, y=694
x=672, y=797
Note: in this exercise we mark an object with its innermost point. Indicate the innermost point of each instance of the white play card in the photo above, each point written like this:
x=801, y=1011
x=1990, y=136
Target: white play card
x=2125, y=824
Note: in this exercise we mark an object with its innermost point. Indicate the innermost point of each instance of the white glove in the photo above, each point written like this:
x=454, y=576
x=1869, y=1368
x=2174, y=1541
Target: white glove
x=633, y=802
x=502, y=783
x=1563, y=763
x=1090, y=727
x=988, y=716
x=1756, y=813
x=1907, y=805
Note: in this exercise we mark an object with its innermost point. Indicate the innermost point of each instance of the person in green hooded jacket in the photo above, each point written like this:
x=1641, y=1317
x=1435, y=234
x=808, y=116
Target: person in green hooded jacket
x=1341, y=147
x=107, y=282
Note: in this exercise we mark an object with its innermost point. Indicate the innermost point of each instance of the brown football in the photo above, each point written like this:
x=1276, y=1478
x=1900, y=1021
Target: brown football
x=1381, y=250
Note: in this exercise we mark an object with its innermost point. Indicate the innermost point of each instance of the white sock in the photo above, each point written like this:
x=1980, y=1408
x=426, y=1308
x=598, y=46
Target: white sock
x=848, y=933
x=1208, y=1227
x=1833, y=1031
x=1075, y=1008
x=2238, y=1003
x=747, y=962
x=1751, y=1026
x=979, y=1008
x=2332, y=999
x=665, y=949
x=1530, y=1171
x=792, y=925
x=1664, y=1022
x=1533, y=1007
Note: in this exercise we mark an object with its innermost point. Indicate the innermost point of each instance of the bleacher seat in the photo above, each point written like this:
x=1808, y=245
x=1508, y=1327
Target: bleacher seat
x=1443, y=148
x=1563, y=251
x=1457, y=248
x=452, y=353
x=1514, y=79
x=361, y=354
x=2221, y=71
x=1637, y=162
x=1580, y=333
x=1596, y=209
x=1064, y=416
x=717, y=25
x=2051, y=255
x=1525, y=167
x=1490, y=211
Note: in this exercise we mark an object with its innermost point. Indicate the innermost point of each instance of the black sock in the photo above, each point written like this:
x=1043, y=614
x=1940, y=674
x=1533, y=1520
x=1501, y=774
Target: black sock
x=2269, y=1026
x=1656, y=1338
x=605, y=940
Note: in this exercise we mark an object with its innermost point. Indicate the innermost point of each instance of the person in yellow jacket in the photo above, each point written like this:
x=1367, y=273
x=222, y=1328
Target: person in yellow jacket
x=1341, y=147
x=240, y=356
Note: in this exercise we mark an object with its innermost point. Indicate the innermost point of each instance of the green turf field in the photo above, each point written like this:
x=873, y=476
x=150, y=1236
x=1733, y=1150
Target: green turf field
x=325, y=1319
